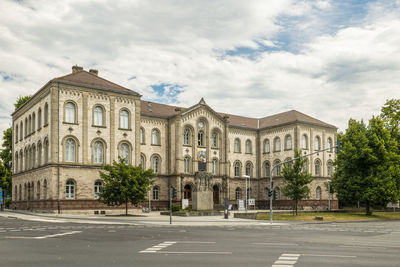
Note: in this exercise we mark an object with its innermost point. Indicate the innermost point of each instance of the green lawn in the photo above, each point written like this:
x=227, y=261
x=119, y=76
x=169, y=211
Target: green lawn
x=331, y=216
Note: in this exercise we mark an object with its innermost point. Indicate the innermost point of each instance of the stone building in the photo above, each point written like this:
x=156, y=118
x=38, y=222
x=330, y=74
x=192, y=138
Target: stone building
x=78, y=122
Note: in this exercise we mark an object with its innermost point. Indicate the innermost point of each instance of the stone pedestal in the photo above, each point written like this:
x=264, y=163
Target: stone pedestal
x=202, y=196
x=202, y=200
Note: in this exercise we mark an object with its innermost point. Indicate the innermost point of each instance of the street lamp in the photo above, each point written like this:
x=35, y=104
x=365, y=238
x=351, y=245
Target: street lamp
x=246, y=177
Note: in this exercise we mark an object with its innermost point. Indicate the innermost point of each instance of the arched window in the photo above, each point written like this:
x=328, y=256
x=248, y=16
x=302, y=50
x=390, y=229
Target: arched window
x=155, y=164
x=237, y=193
x=16, y=162
x=304, y=142
x=98, y=152
x=46, y=151
x=317, y=167
x=248, y=147
x=21, y=161
x=124, y=119
x=39, y=119
x=200, y=138
x=237, y=145
x=186, y=163
x=267, y=193
x=70, y=189
x=329, y=144
x=32, y=195
x=124, y=152
x=266, y=146
x=329, y=168
x=20, y=193
x=16, y=134
x=45, y=189
x=288, y=142
x=33, y=122
x=15, y=197
x=215, y=166
x=186, y=137
x=267, y=167
x=237, y=169
x=155, y=137
x=214, y=139
x=249, y=168
x=26, y=127
x=318, y=193
x=70, y=112
x=38, y=190
x=97, y=189
x=21, y=132
x=98, y=116
x=30, y=125
x=277, y=168
x=156, y=191
x=305, y=167
x=142, y=161
x=277, y=193
x=317, y=145
x=70, y=150
x=39, y=154
x=46, y=114
x=277, y=144
x=142, y=136
x=33, y=165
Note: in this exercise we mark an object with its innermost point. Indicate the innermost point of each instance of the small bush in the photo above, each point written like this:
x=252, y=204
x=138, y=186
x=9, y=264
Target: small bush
x=175, y=208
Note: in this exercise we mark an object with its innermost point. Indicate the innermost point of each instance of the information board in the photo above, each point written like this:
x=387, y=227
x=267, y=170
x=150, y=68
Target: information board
x=241, y=204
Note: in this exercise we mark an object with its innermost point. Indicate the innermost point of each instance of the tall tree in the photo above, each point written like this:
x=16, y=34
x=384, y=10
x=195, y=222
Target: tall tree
x=6, y=153
x=367, y=168
x=124, y=183
x=296, y=179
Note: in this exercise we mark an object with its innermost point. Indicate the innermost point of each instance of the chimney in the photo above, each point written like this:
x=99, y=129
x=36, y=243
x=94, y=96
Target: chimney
x=76, y=69
x=95, y=72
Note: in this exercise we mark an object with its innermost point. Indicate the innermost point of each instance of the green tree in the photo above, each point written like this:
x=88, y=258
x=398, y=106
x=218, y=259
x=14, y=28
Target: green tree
x=6, y=153
x=124, y=183
x=296, y=179
x=367, y=167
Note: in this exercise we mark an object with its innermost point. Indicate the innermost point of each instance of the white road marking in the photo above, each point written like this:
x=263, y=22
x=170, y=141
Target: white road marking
x=160, y=246
x=334, y=256
x=43, y=237
x=197, y=252
x=276, y=244
x=194, y=242
x=286, y=260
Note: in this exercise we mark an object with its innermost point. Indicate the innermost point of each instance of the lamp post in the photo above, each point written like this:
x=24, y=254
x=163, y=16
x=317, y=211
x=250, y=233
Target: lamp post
x=246, y=177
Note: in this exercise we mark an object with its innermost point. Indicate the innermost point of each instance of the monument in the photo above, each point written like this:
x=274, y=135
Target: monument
x=202, y=198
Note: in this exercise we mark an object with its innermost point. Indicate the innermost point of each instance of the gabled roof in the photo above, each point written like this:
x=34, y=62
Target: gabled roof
x=289, y=117
x=84, y=78
x=164, y=111
x=160, y=110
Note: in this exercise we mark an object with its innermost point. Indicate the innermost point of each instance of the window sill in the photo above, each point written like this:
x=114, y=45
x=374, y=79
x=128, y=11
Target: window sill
x=249, y=153
x=187, y=145
x=277, y=151
x=155, y=145
x=201, y=146
x=287, y=149
x=70, y=123
x=143, y=144
x=125, y=129
x=237, y=152
x=45, y=125
x=266, y=153
x=99, y=126
x=214, y=147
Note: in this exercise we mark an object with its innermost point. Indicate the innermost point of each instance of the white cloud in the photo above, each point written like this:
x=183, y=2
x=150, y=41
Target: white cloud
x=331, y=76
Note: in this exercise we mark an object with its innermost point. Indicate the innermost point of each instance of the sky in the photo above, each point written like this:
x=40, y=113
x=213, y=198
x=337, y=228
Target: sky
x=332, y=60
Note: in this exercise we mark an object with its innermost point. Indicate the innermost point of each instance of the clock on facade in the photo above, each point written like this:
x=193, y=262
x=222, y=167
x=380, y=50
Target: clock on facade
x=201, y=124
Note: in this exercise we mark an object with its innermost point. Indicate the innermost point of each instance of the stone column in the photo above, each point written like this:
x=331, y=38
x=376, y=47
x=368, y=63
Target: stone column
x=54, y=127
x=112, y=129
x=137, y=147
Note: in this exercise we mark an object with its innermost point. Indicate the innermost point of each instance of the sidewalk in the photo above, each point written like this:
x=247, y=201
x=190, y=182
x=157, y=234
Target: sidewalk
x=152, y=218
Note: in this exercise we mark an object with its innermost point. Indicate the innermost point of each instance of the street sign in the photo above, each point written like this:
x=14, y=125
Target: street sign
x=185, y=203
x=241, y=205
x=393, y=205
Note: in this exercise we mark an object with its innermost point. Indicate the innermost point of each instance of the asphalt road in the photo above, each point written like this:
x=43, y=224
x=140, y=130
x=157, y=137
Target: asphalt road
x=38, y=243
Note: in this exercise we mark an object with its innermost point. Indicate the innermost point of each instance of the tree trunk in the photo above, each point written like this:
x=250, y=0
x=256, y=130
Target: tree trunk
x=126, y=208
x=368, y=212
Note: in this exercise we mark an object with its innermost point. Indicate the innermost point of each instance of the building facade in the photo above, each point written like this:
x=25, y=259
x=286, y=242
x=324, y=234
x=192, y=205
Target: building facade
x=76, y=123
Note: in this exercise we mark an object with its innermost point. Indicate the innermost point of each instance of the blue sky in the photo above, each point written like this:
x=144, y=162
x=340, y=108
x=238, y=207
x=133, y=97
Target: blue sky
x=330, y=59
